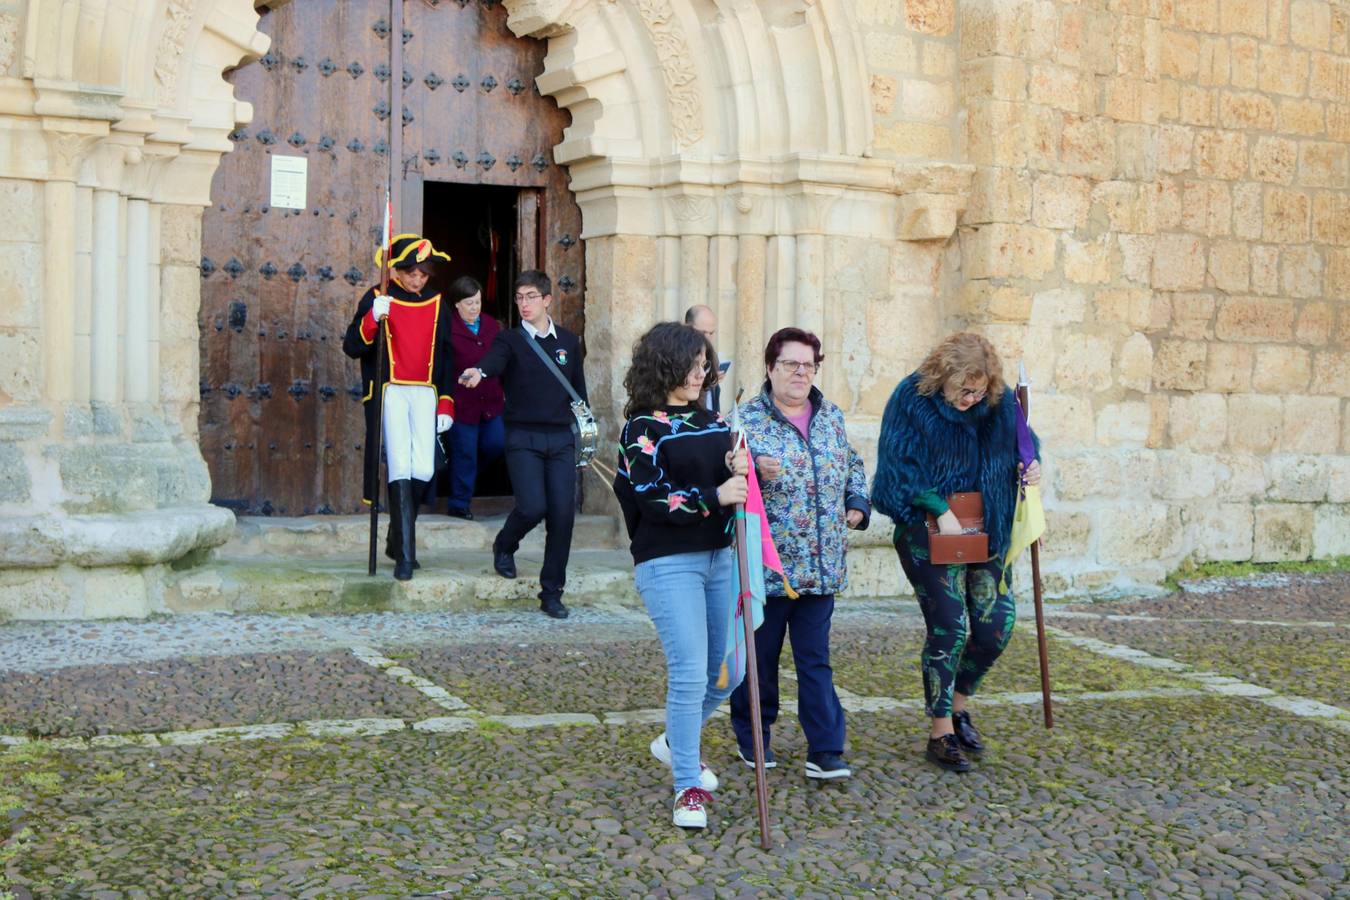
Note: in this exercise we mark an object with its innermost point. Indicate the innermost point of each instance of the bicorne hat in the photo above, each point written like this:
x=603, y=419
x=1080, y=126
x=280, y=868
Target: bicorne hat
x=410, y=251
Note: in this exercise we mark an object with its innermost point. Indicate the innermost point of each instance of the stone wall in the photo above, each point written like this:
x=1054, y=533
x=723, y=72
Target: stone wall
x=1160, y=227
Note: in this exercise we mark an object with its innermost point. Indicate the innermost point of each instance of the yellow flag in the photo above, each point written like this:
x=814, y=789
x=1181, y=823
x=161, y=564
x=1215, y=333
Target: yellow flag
x=1028, y=525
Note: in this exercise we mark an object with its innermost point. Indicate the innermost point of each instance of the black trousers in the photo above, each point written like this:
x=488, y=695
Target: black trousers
x=543, y=469
x=818, y=707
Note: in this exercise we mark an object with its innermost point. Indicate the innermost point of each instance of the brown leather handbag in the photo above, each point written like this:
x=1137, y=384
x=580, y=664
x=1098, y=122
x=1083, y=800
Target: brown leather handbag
x=952, y=549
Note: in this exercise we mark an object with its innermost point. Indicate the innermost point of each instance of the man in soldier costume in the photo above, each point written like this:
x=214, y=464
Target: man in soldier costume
x=415, y=384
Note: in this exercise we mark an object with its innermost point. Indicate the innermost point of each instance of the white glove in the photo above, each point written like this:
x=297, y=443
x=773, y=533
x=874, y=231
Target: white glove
x=380, y=308
x=443, y=423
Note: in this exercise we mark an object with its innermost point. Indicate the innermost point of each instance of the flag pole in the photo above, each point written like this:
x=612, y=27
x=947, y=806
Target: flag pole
x=1041, y=647
x=752, y=667
x=389, y=216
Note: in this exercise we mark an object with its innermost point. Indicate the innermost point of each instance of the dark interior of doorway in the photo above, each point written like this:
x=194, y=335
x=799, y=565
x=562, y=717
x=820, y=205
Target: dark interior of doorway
x=476, y=225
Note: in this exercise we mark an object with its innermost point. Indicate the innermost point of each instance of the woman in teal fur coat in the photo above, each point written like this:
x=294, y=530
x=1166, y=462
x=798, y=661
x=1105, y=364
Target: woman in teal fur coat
x=951, y=427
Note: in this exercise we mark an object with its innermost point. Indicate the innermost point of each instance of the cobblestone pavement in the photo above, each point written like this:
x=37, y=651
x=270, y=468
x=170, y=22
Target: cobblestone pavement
x=1201, y=748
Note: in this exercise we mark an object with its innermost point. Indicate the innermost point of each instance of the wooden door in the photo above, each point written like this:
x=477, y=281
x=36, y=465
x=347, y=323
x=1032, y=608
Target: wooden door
x=281, y=422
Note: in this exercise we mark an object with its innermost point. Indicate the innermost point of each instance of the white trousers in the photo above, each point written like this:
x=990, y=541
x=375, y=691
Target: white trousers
x=410, y=431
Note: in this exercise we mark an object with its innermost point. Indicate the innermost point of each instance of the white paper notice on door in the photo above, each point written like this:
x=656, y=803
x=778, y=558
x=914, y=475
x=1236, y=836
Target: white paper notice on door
x=289, y=175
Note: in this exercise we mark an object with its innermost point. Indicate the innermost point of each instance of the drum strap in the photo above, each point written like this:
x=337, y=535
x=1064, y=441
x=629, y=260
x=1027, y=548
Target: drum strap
x=552, y=367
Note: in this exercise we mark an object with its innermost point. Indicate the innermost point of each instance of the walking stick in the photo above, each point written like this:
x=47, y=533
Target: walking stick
x=395, y=180
x=1041, y=647
x=752, y=678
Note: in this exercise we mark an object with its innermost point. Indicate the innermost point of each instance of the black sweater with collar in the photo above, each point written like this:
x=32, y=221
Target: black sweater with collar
x=534, y=399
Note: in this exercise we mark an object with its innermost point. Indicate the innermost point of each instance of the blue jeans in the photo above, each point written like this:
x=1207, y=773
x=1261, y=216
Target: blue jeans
x=470, y=444
x=690, y=597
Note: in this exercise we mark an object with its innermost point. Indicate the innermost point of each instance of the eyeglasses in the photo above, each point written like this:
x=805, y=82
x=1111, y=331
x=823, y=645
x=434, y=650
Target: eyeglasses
x=793, y=366
x=977, y=396
x=529, y=298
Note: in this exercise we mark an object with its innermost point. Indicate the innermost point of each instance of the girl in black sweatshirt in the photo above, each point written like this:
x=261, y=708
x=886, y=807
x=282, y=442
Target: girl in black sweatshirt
x=677, y=483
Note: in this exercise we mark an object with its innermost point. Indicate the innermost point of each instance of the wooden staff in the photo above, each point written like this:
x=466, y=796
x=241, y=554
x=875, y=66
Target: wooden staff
x=1041, y=647
x=752, y=672
x=390, y=214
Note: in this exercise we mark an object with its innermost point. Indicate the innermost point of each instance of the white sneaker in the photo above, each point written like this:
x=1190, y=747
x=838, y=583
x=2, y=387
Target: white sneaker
x=660, y=748
x=690, y=808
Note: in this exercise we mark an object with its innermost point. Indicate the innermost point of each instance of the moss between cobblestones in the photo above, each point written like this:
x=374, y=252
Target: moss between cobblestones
x=1119, y=796
x=1190, y=570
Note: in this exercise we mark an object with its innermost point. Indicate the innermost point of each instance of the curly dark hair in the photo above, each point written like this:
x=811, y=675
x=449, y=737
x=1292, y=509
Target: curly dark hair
x=662, y=360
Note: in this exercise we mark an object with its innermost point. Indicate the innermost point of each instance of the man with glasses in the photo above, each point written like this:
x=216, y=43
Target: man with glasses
x=541, y=451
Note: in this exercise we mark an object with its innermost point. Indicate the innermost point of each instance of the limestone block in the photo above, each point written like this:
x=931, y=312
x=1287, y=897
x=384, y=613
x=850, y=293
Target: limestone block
x=1179, y=55
x=1067, y=534
x=1315, y=323
x=931, y=16
x=1198, y=106
x=890, y=52
x=1198, y=421
x=1242, y=109
x=1130, y=307
x=36, y=594
x=1089, y=262
x=879, y=12
x=1083, y=362
x=1087, y=147
x=1311, y=424
x=15, y=485
x=20, y=283
x=1178, y=262
x=1254, y=422
x=1329, y=78
x=1127, y=207
x=19, y=423
x=1174, y=148
x=992, y=28
x=1331, y=531
x=1265, y=269
x=1061, y=306
x=1340, y=30
x=1243, y=17
x=1247, y=211
x=1063, y=421
x=1331, y=373
x=1255, y=320
x=912, y=139
x=998, y=194
x=1098, y=473
x=1192, y=315
x=1283, y=70
x=20, y=366
x=1310, y=23
x=1287, y=217
x=1219, y=531
x=1323, y=164
x=1002, y=250
x=1228, y=266
x=1282, y=370
x=1244, y=55
x=994, y=77
x=1179, y=365
x=1301, y=271
x=1239, y=476
x=938, y=60
x=1301, y=117
x=1229, y=368
x=1157, y=428
x=1059, y=87
x=926, y=100
x=1297, y=478
x=1132, y=100
x=1169, y=101
x=1206, y=207
x=1283, y=531
x=1135, y=532
x=1183, y=475
x=1136, y=256
x=1192, y=15
x=1331, y=218
x=1274, y=159
x=1134, y=363
x=1085, y=40
x=993, y=133
x=1060, y=202
x=883, y=94
x=180, y=235
x=113, y=593
x=1220, y=154
x=1213, y=65
x=1338, y=478
x=1338, y=121
x=1124, y=424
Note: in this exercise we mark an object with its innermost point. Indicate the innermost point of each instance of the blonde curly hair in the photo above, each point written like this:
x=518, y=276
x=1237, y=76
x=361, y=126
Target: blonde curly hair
x=956, y=360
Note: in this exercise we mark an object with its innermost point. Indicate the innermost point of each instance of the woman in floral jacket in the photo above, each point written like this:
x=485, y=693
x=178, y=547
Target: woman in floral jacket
x=814, y=489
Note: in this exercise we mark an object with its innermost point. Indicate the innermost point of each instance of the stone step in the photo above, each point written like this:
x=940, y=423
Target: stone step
x=321, y=537
x=461, y=580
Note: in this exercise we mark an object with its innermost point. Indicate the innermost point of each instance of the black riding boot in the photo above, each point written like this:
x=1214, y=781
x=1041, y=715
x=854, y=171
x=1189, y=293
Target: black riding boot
x=402, y=532
x=394, y=539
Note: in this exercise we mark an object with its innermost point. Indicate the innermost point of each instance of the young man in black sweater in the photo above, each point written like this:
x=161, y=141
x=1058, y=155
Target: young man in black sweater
x=541, y=450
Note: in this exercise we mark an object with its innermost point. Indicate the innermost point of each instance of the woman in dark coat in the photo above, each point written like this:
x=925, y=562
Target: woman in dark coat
x=478, y=436
x=951, y=427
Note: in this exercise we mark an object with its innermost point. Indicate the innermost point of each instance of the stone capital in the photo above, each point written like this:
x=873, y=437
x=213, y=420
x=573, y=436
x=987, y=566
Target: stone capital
x=69, y=142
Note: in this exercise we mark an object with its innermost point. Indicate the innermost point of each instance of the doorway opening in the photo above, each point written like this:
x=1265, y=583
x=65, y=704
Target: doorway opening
x=477, y=225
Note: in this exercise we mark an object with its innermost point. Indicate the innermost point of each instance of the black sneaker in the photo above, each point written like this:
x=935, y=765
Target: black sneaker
x=826, y=766
x=504, y=563
x=455, y=513
x=966, y=734
x=946, y=752
x=553, y=608
x=748, y=757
